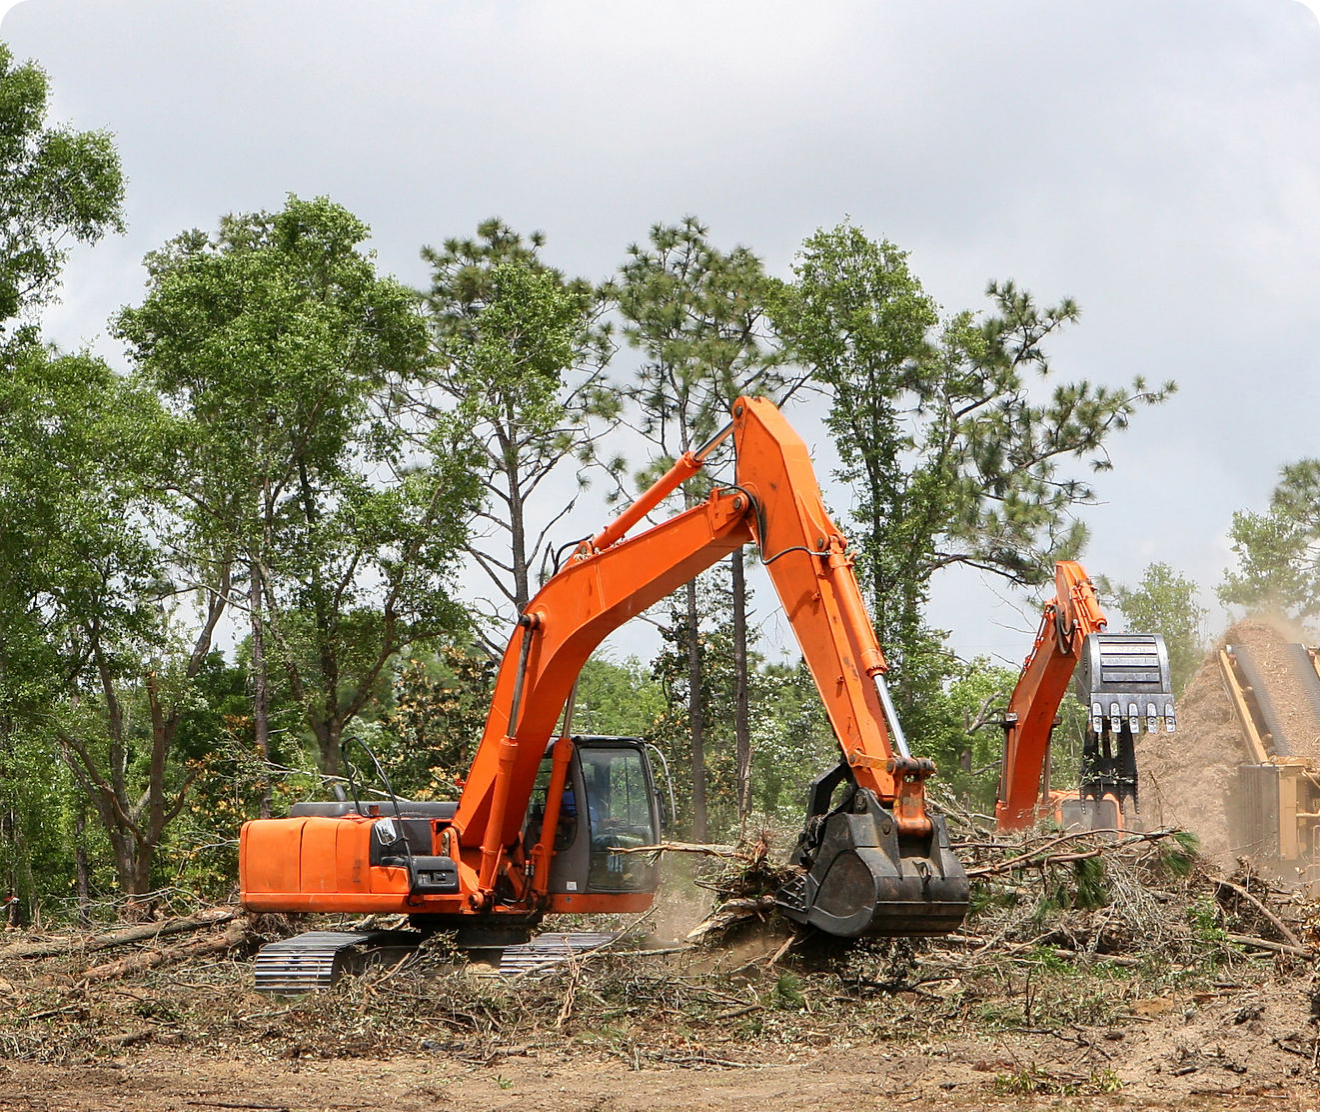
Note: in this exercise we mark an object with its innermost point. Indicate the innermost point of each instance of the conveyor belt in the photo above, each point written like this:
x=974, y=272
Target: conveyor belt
x=1302, y=672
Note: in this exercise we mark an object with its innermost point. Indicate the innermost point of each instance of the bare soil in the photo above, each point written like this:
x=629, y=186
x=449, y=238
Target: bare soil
x=1045, y=1000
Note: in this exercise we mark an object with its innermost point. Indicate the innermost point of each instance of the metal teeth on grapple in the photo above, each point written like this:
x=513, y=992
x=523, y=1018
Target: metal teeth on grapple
x=1123, y=677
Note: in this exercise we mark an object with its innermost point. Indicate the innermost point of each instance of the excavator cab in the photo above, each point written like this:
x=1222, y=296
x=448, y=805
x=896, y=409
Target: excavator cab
x=609, y=804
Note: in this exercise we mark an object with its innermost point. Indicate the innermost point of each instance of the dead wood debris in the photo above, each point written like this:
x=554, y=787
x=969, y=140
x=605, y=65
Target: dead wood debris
x=1066, y=933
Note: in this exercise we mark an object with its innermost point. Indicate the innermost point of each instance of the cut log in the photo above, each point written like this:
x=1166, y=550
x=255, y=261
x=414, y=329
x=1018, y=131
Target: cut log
x=154, y=959
x=69, y=944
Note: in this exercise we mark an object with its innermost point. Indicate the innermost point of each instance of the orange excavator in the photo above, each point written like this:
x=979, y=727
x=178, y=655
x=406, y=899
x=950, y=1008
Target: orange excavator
x=1121, y=680
x=543, y=815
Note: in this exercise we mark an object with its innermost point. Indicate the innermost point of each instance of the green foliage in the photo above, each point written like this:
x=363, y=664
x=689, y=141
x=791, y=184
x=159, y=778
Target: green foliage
x=432, y=730
x=951, y=711
x=518, y=356
x=1178, y=858
x=1278, y=552
x=622, y=700
x=1091, y=884
x=285, y=357
x=56, y=185
x=1165, y=603
x=697, y=316
x=952, y=456
x=787, y=993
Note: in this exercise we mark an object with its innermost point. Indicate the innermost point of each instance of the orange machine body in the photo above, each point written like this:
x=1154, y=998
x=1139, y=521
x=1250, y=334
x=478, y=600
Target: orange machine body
x=325, y=863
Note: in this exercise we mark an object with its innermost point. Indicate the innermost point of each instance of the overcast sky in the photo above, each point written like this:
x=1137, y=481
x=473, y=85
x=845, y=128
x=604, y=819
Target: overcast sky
x=1158, y=161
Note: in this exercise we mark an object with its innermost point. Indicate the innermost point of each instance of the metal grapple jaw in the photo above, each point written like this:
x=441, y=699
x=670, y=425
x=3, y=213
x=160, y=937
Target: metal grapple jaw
x=1123, y=678
x=862, y=878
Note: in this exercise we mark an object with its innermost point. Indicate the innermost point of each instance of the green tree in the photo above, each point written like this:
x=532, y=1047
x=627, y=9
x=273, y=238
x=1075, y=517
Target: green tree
x=954, y=455
x=1278, y=552
x=57, y=187
x=518, y=361
x=287, y=358
x=696, y=314
x=1165, y=603
x=436, y=719
x=97, y=654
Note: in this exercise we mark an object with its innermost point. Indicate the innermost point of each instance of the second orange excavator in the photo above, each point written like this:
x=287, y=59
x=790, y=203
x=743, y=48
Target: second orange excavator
x=543, y=814
x=1122, y=680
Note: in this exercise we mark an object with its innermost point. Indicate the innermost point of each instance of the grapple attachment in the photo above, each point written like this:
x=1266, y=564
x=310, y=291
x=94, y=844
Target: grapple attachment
x=861, y=878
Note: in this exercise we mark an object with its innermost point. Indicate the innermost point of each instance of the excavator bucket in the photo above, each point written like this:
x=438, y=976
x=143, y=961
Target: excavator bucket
x=1123, y=680
x=861, y=878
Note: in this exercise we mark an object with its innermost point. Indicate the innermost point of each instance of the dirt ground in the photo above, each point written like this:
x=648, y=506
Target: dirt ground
x=957, y=1075
x=1092, y=972
x=1236, y=1034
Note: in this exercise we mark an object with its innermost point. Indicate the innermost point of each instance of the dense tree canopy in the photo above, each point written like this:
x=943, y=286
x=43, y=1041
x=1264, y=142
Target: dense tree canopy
x=286, y=355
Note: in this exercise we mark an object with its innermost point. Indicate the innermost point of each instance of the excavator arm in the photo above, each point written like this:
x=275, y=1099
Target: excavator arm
x=886, y=868
x=1120, y=678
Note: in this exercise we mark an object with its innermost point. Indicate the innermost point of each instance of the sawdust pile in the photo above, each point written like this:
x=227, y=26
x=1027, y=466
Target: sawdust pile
x=1189, y=778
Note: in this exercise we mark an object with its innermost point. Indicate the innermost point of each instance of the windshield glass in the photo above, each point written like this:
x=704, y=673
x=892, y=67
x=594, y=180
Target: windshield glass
x=619, y=809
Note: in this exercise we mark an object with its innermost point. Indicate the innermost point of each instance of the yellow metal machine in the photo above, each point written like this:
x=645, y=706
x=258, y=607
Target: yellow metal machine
x=1278, y=792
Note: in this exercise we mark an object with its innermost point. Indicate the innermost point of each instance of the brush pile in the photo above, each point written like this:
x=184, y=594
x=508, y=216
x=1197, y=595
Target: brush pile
x=1077, y=936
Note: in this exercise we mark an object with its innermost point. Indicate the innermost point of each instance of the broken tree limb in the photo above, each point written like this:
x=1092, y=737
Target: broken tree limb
x=1277, y=923
x=154, y=959
x=1272, y=947
x=731, y=912
x=144, y=932
x=1038, y=857
x=729, y=852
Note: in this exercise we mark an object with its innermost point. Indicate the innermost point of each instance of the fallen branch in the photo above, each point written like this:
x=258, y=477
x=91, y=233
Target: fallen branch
x=1272, y=947
x=153, y=959
x=729, y=913
x=1032, y=859
x=142, y=933
x=730, y=852
x=1273, y=919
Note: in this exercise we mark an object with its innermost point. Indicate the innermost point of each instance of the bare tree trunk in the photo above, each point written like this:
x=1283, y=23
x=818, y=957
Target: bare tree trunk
x=696, y=718
x=742, y=729
x=260, y=694
x=82, y=868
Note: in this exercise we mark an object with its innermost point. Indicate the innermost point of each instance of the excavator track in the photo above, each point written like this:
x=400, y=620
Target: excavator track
x=315, y=960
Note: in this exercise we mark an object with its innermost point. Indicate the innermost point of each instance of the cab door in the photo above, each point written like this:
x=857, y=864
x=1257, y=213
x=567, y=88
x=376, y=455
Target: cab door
x=609, y=804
